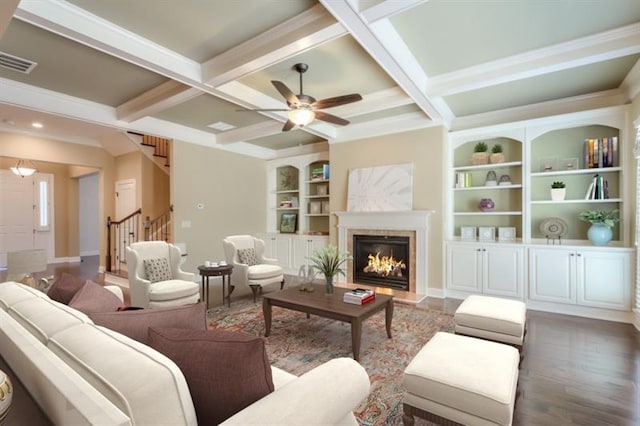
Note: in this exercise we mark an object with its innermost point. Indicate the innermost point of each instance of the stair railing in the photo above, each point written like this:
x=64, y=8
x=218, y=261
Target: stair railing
x=159, y=229
x=120, y=234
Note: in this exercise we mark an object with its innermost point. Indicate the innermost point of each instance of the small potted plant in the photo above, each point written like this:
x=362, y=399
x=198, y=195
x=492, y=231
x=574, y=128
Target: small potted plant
x=480, y=154
x=496, y=154
x=328, y=260
x=558, y=191
x=600, y=232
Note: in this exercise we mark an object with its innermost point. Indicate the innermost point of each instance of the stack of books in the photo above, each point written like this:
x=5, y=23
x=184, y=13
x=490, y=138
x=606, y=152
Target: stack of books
x=359, y=296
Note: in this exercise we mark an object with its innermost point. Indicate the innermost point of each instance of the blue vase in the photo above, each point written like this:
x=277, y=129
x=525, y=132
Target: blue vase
x=599, y=234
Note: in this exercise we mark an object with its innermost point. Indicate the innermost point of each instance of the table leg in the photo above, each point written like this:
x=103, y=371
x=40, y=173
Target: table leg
x=224, y=296
x=388, y=317
x=356, y=335
x=207, y=291
x=266, y=310
x=203, y=294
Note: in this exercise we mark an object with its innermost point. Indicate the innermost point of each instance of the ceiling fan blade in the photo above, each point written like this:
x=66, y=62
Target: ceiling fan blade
x=288, y=126
x=263, y=109
x=291, y=98
x=321, y=115
x=337, y=101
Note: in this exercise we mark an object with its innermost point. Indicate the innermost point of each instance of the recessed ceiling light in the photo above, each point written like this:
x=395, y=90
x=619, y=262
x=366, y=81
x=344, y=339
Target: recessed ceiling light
x=221, y=126
x=37, y=125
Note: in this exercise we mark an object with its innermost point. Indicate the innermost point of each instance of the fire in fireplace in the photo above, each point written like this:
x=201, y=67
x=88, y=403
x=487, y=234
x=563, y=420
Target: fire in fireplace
x=381, y=260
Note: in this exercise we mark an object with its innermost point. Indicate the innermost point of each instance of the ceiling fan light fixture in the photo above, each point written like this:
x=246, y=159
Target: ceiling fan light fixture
x=301, y=116
x=24, y=168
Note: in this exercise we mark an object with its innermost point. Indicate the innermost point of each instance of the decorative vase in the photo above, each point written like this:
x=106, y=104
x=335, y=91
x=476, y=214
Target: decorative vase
x=496, y=158
x=478, y=158
x=599, y=234
x=486, y=204
x=328, y=286
x=558, y=194
x=306, y=274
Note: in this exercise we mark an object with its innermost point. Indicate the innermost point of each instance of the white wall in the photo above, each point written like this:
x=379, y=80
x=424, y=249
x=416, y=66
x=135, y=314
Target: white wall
x=88, y=215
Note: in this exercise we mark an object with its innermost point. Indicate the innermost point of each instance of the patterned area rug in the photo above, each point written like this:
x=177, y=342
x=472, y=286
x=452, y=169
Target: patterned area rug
x=298, y=344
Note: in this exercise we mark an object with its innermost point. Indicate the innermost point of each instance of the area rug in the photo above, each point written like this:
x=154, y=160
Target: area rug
x=298, y=344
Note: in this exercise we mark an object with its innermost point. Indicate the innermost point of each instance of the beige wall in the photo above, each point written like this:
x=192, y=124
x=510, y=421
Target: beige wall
x=156, y=194
x=47, y=153
x=232, y=189
x=425, y=149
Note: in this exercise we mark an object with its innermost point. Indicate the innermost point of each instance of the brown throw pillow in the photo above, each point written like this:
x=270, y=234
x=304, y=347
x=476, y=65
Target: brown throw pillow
x=136, y=323
x=157, y=269
x=65, y=287
x=226, y=371
x=93, y=297
x=247, y=256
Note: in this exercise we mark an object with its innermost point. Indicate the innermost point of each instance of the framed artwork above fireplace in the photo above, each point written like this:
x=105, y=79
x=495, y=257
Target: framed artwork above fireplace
x=381, y=189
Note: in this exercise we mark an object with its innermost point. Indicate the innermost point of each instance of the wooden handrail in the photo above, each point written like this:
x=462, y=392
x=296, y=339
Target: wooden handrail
x=124, y=233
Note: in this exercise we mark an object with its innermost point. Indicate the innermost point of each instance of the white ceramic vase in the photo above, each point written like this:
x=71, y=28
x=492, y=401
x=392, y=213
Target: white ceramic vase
x=558, y=194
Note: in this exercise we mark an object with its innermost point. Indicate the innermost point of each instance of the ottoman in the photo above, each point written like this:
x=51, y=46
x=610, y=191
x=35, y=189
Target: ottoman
x=492, y=318
x=461, y=380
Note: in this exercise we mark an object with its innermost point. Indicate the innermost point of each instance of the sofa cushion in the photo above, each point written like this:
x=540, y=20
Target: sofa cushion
x=93, y=297
x=142, y=383
x=157, y=269
x=226, y=371
x=247, y=256
x=136, y=323
x=260, y=272
x=172, y=289
x=12, y=292
x=65, y=287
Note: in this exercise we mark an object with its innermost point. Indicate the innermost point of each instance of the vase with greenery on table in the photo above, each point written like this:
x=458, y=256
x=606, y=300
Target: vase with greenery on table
x=328, y=260
x=600, y=232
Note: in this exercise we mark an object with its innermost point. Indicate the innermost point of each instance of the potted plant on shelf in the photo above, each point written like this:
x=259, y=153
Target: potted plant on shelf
x=328, y=260
x=558, y=191
x=496, y=154
x=600, y=232
x=480, y=154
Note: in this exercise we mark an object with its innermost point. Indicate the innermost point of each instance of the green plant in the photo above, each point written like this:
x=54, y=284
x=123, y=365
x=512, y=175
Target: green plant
x=481, y=147
x=558, y=184
x=608, y=218
x=329, y=259
x=496, y=149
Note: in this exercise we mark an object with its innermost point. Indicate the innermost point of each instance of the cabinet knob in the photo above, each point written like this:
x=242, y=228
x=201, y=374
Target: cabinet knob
x=579, y=254
x=484, y=249
x=572, y=254
x=478, y=249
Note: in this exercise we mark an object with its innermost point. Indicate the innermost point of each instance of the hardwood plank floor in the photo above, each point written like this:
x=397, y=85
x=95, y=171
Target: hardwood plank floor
x=576, y=371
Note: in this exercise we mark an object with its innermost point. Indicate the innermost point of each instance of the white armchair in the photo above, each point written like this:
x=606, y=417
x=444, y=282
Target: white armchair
x=250, y=267
x=159, y=282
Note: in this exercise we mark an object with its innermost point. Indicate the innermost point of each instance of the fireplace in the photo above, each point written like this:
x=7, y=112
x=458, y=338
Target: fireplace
x=381, y=260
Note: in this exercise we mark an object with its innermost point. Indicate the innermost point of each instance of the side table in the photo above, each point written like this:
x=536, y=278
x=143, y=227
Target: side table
x=223, y=271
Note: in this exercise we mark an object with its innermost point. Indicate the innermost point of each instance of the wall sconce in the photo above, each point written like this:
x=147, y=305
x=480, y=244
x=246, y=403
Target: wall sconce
x=24, y=168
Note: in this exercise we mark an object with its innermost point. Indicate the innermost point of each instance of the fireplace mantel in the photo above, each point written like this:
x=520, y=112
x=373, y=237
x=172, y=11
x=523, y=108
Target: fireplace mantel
x=414, y=220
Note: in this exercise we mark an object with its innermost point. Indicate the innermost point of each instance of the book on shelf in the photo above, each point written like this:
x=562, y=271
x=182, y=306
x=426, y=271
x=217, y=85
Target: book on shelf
x=600, y=153
x=463, y=180
x=359, y=296
x=325, y=172
x=598, y=189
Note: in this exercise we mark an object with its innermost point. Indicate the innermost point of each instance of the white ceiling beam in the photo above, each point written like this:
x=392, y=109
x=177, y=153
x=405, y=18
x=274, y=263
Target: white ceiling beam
x=83, y=27
x=388, y=8
x=387, y=48
x=631, y=83
x=259, y=130
x=384, y=126
x=583, y=51
x=374, y=102
x=164, y=96
x=303, y=32
x=7, y=9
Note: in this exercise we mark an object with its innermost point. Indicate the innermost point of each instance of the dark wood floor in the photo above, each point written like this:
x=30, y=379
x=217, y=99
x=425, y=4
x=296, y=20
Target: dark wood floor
x=576, y=371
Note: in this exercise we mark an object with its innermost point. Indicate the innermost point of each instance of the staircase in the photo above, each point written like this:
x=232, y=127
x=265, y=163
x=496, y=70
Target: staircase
x=160, y=147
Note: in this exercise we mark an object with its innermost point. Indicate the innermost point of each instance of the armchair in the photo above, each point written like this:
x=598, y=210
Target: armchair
x=159, y=281
x=250, y=267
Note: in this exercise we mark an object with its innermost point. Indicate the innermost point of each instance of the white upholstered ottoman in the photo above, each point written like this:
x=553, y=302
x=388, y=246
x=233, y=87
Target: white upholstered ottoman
x=461, y=380
x=492, y=318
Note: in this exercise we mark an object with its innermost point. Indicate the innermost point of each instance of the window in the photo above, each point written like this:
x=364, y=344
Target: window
x=42, y=202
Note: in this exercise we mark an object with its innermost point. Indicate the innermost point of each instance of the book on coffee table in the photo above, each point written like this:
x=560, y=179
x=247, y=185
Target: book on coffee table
x=359, y=296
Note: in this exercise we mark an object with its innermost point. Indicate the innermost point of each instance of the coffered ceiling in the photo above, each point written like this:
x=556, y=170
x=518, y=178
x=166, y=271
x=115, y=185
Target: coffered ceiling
x=173, y=68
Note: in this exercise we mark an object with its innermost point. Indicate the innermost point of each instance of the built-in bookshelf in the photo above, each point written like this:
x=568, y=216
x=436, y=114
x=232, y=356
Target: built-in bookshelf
x=317, y=198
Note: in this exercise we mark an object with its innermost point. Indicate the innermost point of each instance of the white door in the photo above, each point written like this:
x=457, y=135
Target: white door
x=464, y=270
x=16, y=214
x=503, y=271
x=552, y=275
x=125, y=198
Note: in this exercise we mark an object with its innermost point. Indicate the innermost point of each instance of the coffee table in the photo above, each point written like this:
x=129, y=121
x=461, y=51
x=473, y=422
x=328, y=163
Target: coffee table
x=329, y=306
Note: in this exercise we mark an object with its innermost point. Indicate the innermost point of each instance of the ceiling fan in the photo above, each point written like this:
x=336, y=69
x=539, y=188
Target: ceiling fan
x=303, y=109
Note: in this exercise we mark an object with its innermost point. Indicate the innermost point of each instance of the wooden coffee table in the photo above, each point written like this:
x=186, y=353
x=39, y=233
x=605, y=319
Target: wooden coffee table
x=329, y=306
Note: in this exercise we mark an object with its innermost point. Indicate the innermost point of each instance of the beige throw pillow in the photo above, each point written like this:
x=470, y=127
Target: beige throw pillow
x=157, y=270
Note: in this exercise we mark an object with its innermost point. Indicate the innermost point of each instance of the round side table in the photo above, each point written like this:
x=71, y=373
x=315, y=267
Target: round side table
x=223, y=271
x=6, y=394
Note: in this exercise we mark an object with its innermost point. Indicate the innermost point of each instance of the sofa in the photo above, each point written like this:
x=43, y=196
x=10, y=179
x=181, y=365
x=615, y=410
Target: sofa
x=81, y=373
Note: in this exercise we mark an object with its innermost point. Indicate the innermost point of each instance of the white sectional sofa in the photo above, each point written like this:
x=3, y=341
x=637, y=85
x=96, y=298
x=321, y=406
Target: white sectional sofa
x=83, y=374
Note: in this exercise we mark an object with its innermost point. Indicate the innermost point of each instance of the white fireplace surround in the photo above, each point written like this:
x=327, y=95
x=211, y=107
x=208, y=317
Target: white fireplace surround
x=415, y=220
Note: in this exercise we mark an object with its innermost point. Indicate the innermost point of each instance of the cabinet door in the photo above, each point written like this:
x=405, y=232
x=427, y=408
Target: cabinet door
x=605, y=280
x=281, y=247
x=303, y=248
x=552, y=275
x=503, y=271
x=463, y=268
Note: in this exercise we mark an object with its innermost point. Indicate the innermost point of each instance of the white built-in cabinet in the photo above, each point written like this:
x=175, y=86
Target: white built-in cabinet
x=292, y=250
x=489, y=269
x=547, y=274
x=585, y=277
